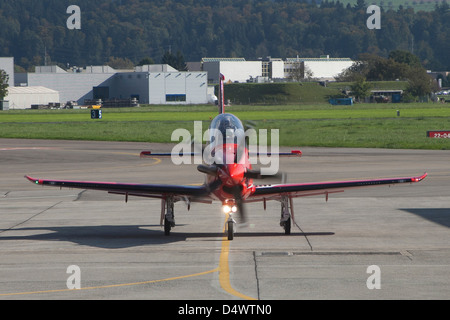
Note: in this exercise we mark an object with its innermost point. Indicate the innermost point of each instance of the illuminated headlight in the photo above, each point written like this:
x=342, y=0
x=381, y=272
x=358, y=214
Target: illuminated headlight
x=226, y=209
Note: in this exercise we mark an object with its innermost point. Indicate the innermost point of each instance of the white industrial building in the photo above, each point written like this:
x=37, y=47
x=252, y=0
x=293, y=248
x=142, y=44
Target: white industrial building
x=234, y=69
x=156, y=84
x=151, y=84
x=240, y=70
x=271, y=69
x=323, y=68
x=26, y=97
x=7, y=64
x=72, y=86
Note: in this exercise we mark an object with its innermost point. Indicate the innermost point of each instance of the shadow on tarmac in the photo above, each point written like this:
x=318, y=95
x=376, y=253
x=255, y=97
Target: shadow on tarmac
x=437, y=215
x=119, y=237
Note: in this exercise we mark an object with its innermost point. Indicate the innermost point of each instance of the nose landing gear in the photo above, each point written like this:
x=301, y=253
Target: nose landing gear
x=231, y=223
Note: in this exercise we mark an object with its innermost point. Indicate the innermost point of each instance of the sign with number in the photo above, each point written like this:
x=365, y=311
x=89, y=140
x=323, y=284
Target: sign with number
x=96, y=114
x=438, y=134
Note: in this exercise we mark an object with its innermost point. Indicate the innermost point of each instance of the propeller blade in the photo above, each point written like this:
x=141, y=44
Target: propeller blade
x=211, y=170
x=214, y=185
x=256, y=174
x=239, y=203
x=241, y=210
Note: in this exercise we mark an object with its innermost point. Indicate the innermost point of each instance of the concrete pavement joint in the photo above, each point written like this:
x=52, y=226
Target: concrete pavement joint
x=26, y=220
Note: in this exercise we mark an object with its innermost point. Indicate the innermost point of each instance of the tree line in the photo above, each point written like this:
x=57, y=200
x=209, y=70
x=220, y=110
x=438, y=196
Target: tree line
x=399, y=65
x=35, y=32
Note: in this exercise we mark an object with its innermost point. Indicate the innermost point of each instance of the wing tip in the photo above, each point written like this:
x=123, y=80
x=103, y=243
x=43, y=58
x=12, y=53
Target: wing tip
x=417, y=179
x=144, y=154
x=33, y=180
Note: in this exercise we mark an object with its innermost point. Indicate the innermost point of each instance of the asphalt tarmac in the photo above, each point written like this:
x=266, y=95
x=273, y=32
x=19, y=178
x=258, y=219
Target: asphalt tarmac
x=371, y=243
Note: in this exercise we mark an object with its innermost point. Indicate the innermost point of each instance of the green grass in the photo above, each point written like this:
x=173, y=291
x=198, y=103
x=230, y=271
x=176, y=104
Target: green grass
x=402, y=133
x=288, y=112
x=360, y=125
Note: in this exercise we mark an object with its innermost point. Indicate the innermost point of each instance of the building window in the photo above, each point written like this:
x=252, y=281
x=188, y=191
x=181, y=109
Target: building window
x=175, y=97
x=266, y=69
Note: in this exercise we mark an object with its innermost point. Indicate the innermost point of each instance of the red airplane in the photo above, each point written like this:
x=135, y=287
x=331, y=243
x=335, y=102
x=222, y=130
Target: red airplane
x=229, y=179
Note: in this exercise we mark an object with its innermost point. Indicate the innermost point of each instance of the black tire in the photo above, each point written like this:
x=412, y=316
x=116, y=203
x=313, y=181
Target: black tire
x=230, y=230
x=167, y=227
x=287, y=226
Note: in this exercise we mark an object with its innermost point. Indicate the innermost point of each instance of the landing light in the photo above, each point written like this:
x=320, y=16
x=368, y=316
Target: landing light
x=227, y=209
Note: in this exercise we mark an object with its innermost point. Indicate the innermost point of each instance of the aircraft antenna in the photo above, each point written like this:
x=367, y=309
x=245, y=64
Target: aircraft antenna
x=221, y=95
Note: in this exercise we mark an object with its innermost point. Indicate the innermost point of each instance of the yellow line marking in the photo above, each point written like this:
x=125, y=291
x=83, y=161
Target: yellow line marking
x=87, y=170
x=112, y=285
x=223, y=269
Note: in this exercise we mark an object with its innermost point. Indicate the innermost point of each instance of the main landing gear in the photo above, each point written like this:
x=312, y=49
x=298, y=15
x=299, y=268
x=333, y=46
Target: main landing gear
x=287, y=214
x=167, y=213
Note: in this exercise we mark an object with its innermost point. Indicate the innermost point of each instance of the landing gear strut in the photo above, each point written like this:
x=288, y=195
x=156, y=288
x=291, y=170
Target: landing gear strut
x=169, y=217
x=230, y=226
x=286, y=209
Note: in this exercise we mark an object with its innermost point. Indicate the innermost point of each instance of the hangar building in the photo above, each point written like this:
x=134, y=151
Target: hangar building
x=26, y=97
x=7, y=64
x=151, y=84
x=323, y=68
x=270, y=69
x=234, y=69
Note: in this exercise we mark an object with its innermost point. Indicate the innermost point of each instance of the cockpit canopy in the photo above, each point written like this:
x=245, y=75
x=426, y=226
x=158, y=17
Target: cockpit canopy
x=226, y=128
x=227, y=139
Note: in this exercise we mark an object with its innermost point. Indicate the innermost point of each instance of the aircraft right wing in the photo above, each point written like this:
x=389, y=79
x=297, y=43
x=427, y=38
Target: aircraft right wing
x=275, y=192
x=198, y=193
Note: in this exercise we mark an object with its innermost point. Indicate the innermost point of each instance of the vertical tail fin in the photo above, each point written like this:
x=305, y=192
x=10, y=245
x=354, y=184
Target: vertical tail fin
x=221, y=95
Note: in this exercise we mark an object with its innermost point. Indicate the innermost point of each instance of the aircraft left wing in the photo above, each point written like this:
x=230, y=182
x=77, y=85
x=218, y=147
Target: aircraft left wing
x=143, y=190
x=273, y=192
x=293, y=153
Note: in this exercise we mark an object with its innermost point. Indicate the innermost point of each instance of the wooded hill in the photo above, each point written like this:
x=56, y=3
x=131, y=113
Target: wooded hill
x=35, y=32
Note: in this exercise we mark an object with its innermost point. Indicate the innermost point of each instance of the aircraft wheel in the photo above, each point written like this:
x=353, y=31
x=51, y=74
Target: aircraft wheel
x=287, y=226
x=230, y=230
x=167, y=227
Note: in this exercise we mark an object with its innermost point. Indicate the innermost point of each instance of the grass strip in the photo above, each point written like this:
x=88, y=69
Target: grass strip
x=362, y=125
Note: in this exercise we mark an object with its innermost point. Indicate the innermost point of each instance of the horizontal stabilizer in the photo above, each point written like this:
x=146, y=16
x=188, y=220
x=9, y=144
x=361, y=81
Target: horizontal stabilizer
x=167, y=154
x=293, y=153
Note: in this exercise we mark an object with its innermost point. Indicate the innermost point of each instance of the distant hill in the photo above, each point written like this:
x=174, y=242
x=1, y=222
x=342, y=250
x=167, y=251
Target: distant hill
x=295, y=93
x=279, y=93
x=127, y=31
x=416, y=5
